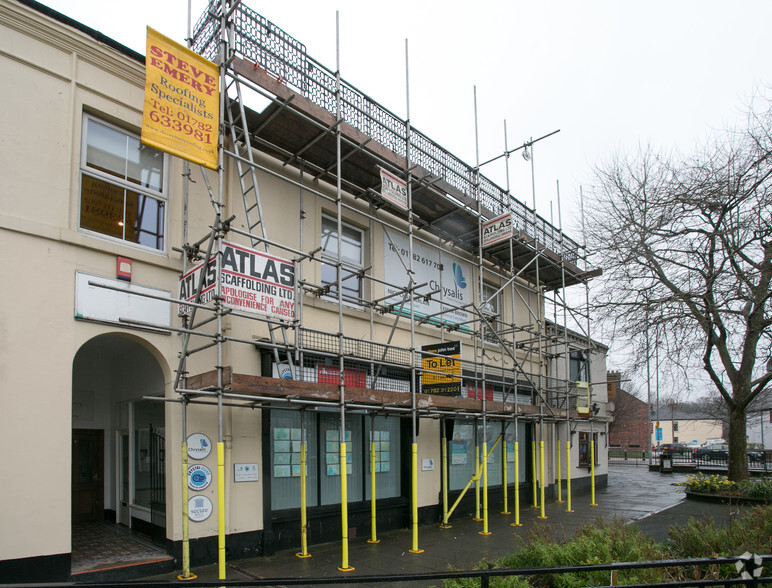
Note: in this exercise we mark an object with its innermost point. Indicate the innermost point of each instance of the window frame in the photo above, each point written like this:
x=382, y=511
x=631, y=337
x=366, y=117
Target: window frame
x=584, y=438
x=332, y=293
x=160, y=196
x=578, y=358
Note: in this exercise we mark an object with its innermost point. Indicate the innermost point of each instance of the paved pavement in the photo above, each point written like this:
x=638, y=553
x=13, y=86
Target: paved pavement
x=651, y=500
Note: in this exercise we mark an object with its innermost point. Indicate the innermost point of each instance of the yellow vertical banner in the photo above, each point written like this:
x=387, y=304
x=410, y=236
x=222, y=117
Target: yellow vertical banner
x=182, y=101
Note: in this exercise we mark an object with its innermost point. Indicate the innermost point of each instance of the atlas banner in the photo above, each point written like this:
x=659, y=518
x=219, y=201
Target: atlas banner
x=182, y=101
x=497, y=229
x=446, y=277
x=447, y=383
x=189, y=282
x=393, y=189
x=252, y=281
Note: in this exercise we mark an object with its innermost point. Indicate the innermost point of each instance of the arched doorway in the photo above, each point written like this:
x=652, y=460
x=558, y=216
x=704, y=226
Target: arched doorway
x=118, y=452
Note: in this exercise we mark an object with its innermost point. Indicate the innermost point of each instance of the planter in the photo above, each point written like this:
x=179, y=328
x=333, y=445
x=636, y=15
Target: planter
x=725, y=498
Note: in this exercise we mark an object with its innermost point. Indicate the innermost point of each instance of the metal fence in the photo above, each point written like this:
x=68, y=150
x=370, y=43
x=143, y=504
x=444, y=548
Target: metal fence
x=758, y=462
x=745, y=570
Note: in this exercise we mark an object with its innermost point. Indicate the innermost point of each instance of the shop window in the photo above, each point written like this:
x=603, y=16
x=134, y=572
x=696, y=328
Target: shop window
x=321, y=432
x=122, y=186
x=352, y=259
x=461, y=453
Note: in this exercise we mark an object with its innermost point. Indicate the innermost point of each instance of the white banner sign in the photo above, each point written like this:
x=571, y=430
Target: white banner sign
x=257, y=282
x=251, y=281
x=393, y=189
x=497, y=229
x=453, y=282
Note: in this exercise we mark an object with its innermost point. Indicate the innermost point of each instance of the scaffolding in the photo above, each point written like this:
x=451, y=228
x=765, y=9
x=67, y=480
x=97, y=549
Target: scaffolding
x=287, y=118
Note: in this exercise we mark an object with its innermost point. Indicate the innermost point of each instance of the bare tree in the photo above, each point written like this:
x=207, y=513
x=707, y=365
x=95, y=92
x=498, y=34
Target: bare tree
x=686, y=249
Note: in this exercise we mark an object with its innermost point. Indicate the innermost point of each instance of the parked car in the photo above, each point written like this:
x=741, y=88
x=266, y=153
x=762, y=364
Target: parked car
x=755, y=455
x=716, y=451
x=673, y=448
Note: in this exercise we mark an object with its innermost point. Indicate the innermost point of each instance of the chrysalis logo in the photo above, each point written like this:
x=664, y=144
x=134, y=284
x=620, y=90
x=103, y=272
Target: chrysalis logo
x=458, y=275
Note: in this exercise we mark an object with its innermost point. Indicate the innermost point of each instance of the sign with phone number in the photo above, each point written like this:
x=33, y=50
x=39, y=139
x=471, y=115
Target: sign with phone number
x=182, y=100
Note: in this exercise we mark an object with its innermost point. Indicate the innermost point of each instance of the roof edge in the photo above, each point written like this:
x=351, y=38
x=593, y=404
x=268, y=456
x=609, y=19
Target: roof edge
x=93, y=33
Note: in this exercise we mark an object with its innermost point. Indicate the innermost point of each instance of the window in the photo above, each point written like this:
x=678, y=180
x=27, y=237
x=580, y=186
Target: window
x=465, y=443
x=321, y=433
x=584, y=448
x=490, y=307
x=122, y=191
x=352, y=258
x=578, y=366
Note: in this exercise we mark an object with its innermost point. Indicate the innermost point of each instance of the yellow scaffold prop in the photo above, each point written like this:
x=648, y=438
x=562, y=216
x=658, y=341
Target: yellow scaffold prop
x=542, y=513
x=517, y=522
x=185, y=575
x=592, y=472
x=373, y=535
x=568, y=476
x=557, y=461
x=504, y=477
x=535, y=503
x=303, y=502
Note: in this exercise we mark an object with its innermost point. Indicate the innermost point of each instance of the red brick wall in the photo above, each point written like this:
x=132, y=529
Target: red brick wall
x=630, y=427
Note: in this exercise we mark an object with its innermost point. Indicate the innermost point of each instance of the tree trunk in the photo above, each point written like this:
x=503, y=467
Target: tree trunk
x=738, y=458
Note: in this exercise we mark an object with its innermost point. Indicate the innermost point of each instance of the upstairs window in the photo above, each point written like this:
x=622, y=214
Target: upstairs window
x=352, y=258
x=578, y=366
x=122, y=186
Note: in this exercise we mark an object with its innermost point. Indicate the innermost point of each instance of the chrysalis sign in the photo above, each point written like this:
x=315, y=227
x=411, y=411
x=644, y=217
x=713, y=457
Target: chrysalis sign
x=447, y=277
x=252, y=281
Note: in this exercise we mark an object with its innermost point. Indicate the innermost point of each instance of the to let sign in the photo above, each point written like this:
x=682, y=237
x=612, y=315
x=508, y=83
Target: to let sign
x=443, y=375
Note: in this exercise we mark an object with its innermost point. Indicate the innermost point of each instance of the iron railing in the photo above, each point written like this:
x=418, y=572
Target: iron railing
x=695, y=572
x=259, y=41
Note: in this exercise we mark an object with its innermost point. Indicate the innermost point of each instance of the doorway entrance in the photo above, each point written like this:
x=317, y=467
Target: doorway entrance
x=87, y=475
x=118, y=462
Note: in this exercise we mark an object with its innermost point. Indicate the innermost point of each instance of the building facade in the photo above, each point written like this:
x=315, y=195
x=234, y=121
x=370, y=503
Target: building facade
x=629, y=429
x=273, y=342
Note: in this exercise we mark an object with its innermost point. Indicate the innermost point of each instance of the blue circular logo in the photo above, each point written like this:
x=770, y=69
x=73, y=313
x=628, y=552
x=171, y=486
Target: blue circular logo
x=199, y=477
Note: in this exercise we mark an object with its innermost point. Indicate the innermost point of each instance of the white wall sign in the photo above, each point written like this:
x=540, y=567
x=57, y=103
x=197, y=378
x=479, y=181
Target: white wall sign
x=199, y=508
x=110, y=306
x=199, y=477
x=393, y=189
x=427, y=465
x=452, y=279
x=245, y=472
x=497, y=229
x=199, y=446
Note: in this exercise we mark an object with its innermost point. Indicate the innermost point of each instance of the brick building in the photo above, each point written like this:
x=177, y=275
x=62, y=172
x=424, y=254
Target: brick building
x=629, y=428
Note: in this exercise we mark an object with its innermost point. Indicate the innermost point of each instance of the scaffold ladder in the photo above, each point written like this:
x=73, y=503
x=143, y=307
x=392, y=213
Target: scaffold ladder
x=250, y=193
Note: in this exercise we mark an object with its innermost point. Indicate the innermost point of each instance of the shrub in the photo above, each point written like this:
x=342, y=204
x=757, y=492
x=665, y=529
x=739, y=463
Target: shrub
x=615, y=541
x=752, y=532
x=757, y=488
x=604, y=542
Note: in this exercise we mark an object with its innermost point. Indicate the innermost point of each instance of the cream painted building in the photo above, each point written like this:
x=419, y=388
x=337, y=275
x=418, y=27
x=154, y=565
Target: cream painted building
x=396, y=325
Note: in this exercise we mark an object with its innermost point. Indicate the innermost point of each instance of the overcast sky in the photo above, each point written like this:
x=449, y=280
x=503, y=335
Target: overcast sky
x=611, y=75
